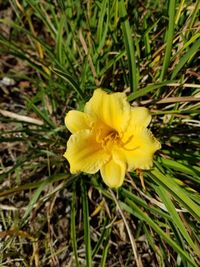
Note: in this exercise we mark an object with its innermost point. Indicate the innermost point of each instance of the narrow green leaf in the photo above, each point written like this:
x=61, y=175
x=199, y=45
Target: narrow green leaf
x=48, y=180
x=106, y=248
x=180, y=8
x=129, y=45
x=192, y=170
x=177, y=111
x=41, y=114
x=73, y=225
x=33, y=200
x=143, y=203
x=86, y=225
x=193, y=17
x=68, y=78
x=100, y=240
x=136, y=211
x=103, y=36
x=101, y=20
x=165, y=196
x=190, y=53
x=59, y=41
x=148, y=89
x=111, y=63
x=153, y=243
x=35, y=197
x=43, y=16
x=146, y=36
x=169, y=38
x=176, y=190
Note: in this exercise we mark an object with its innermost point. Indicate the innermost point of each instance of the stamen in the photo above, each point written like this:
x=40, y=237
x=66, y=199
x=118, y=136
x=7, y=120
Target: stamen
x=131, y=149
x=109, y=140
x=98, y=135
x=128, y=141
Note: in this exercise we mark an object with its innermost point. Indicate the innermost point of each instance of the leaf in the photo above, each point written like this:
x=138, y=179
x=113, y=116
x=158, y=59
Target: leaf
x=176, y=190
x=169, y=38
x=129, y=45
x=132, y=208
x=189, y=54
x=86, y=225
x=165, y=196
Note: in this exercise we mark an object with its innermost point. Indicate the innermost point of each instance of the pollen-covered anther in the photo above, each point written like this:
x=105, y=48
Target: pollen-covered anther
x=124, y=144
x=111, y=139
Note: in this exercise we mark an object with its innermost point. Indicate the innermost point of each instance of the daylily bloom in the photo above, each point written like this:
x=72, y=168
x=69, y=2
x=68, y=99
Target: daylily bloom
x=110, y=136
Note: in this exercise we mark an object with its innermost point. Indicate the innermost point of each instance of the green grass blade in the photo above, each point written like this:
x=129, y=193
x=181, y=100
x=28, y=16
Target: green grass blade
x=148, y=89
x=176, y=190
x=41, y=114
x=193, y=17
x=103, y=37
x=111, y=63
x=34, y=200
x=100, y=240
x=153, y=244
x=146, y=37
x=189, y=54
x=73, y=225
x=178, y=111
x=129, y=45
x=165, y=196
x=86, y=225
x=59, y=42
x=101, y=20
x=144, y=204
x=132, y=208
x=169, y=38
x=68, y=78
x=28, y=186
x=43, y=16
x=180, y=8
x=106, y=248
x=192, y=170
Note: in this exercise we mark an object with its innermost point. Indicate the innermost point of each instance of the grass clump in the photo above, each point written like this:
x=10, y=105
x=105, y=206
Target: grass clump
x=53, y=56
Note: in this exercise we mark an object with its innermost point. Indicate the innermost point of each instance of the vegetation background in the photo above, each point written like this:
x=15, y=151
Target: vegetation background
x=53, y=54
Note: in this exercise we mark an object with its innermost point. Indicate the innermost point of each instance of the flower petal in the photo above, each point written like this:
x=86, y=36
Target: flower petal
x=84, y=153
x=113, y=173
x=111, y=109
x=139, y=116
x=77, y=120
x=140, y=148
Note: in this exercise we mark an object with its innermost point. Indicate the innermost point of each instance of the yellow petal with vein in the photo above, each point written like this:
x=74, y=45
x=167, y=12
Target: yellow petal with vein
x=76, y=121
x=140, y=149
x=140, y=116
x=84, y=153
x=113, y=173
x=112, y=109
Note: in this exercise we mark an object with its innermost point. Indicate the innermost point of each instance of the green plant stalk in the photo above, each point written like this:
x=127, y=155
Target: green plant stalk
x=86, y=225
x=73, y=225
x=136, y=211
x=129, y=45
x=169, y=38
x=165, y=196
x=176, y=190
x=106, y=248
x=148, y=89
x=190, y=53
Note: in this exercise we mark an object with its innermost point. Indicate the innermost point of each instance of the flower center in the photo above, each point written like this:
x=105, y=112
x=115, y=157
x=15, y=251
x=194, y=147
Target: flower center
x=112, y=138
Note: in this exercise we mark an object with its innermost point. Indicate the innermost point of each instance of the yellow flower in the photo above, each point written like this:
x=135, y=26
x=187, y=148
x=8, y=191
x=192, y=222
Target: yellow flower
x=110, y=136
